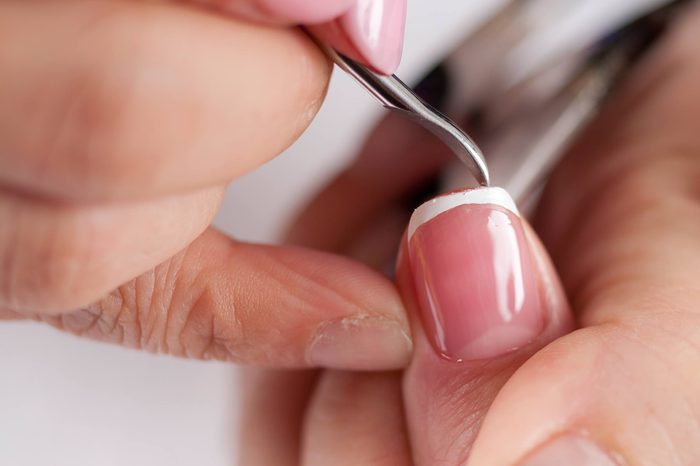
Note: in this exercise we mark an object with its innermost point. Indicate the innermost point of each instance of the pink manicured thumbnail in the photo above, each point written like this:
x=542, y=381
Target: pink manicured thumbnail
x=475, y=278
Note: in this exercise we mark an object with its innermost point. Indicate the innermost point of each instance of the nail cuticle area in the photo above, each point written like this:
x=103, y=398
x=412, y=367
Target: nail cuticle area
x=474, y=275
x=360, y=343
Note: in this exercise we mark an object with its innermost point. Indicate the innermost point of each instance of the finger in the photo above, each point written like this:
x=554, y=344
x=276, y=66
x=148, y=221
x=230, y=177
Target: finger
x=356, y=418
x=273, y=407
x=483, y=298
x=281, y=307
x=624, y=389
x=145, y=98
x=6, y=314
x=369, y=31
x=60, y=256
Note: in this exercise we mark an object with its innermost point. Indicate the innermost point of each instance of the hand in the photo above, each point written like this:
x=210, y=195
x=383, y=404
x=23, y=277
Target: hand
x=621, y=218
x=122, y=123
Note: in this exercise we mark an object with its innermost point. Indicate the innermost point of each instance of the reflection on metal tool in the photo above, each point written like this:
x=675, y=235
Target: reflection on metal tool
x=396, y=96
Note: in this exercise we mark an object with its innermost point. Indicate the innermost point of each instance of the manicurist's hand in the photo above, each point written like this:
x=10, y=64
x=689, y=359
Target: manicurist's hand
x=505, y=372
x=121, y=124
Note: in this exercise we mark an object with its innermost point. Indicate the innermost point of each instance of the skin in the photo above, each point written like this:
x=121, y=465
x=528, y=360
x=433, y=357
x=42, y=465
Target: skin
x=621, y=220
x=90, y=188
x=150, y=110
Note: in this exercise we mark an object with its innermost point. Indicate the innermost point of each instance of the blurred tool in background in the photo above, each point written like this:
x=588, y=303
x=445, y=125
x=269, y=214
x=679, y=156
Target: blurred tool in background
x=529, y=80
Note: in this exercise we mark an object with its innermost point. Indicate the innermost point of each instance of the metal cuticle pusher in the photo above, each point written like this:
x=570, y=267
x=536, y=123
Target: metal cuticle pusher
x=396, y=96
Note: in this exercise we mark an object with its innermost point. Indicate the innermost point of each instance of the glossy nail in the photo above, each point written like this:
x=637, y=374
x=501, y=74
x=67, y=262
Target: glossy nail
x=376, y=29
x=475, y=277
x=571, y=451
x=354, y=344
x=371, y=32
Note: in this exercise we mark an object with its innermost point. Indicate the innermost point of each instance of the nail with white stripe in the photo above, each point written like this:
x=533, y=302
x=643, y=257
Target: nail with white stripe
x=474, y=274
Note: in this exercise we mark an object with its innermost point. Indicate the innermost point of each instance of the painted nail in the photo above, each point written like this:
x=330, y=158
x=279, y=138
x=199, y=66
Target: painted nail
x=571, y=451
x=376, y=29
x=306, y=11
x=475, y=277
x=371, y=32
x=360, y=343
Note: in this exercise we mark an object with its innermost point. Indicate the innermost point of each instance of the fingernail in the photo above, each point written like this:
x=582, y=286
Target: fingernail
x=570, y=451
x=306, y=11
x=360, y=343
x=375, y=28
x=475, y=277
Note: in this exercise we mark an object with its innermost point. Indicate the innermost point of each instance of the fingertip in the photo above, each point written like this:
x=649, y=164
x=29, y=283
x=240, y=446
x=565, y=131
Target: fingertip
x=371, y=32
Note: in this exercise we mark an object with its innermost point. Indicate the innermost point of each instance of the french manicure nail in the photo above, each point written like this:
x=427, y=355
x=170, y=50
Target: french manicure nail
x=376, y=29
x=571, y=451
x=475, y=277
x=360, y=343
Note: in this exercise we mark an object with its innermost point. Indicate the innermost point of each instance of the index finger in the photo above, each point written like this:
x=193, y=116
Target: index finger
x=370, y=31
x=146, y=98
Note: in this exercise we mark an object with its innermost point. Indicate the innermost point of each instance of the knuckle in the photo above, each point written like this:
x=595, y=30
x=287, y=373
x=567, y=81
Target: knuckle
x=170, y=309
x=207, y=321
x=167, y=311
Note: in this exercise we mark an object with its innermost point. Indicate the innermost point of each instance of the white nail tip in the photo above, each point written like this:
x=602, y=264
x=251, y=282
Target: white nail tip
x=441, y=204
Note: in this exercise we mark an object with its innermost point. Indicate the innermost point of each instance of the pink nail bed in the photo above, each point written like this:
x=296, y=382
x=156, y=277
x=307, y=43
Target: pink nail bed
x=376, y=30
x=475, y=278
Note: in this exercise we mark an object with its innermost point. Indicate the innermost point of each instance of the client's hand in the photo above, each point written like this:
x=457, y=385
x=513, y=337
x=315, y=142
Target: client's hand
x=621, y=219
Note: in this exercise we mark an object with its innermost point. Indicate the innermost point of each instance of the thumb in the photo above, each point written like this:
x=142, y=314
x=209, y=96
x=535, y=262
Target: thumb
x=483, y=298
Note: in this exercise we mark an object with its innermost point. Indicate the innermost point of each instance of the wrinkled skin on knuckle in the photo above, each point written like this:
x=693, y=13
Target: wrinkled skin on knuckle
x=172, y=309
x=141, y=314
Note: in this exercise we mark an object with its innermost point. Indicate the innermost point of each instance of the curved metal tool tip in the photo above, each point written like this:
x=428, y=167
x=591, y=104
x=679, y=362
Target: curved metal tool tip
x=393, y=94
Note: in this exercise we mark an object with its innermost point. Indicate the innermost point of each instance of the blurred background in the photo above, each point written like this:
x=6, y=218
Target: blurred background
x=70, y=402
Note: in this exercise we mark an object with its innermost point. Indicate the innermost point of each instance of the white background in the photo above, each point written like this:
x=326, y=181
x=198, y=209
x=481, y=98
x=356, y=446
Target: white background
x=64, y=401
